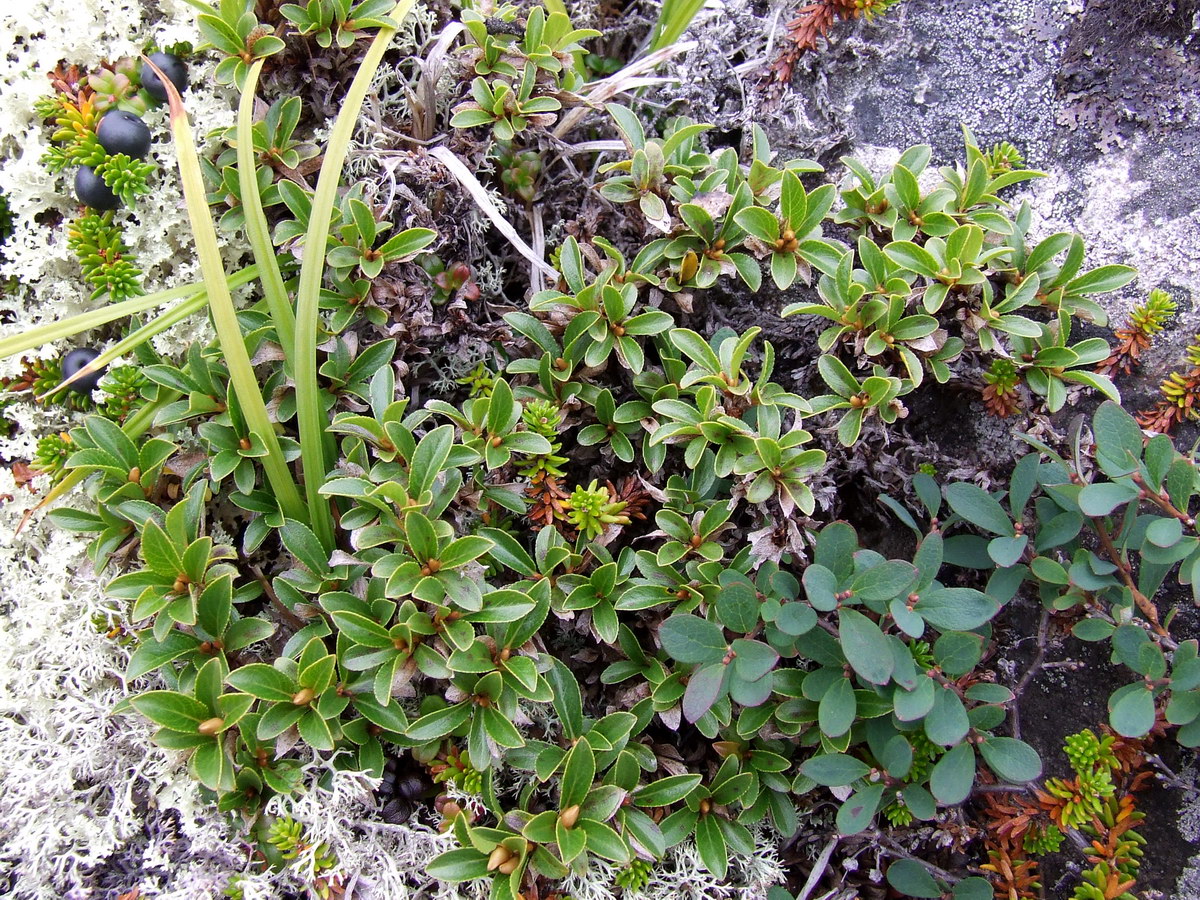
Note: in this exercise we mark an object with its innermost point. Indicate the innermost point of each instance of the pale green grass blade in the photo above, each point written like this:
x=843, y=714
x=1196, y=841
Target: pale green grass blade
x=309, y=411
x=224, y=315
x=673, y=20
x=139, y=336
x=171, y=317
x=53, y=331
x=257, y=231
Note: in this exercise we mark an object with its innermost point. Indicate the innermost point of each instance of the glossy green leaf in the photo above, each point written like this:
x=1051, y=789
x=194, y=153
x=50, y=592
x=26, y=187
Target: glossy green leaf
x=172, y=710
x=439, y=723
x=665, y=791
x=604, y=841
x=262, y=681
x=579, y=772
x=463, y=864
x=710, y=842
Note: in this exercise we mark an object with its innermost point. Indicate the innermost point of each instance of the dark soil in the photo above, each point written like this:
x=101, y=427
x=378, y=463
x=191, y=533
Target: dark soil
x=1061, y=701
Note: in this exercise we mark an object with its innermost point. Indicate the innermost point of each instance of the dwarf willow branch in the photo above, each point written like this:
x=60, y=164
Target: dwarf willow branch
x=1030, y=673
x=309, y=410
x=224, y=315
x=1163, y=501
x=257, y=231
x=1143, y=602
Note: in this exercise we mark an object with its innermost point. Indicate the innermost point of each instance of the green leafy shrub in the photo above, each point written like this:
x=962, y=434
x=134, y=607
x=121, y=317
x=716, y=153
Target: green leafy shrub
x=415, y=611
x=235, y=32
x=1101, y=532
x=339, y=20
x=1096, y=807
x=108, y=266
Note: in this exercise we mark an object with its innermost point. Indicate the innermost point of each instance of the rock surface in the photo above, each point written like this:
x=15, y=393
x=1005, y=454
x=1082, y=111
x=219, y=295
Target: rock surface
x=1102, y=96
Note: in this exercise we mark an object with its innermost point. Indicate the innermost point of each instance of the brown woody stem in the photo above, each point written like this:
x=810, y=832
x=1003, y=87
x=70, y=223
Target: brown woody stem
x=1143, y=602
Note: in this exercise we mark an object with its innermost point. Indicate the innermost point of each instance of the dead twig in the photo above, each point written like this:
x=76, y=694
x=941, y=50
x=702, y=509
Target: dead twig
x=629, y=77
x=537, y=233
x=484, y=201
x=276, y=603
x=1031, y=672
x=820, y=864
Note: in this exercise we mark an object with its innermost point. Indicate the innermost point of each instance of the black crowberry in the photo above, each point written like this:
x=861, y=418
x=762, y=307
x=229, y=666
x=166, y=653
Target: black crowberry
x=76, y=360
x=173, y=67
x=123, y=132
x=92, y=191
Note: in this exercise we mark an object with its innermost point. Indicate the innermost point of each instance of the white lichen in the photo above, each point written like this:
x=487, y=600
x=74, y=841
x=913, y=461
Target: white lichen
x=35, y=35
